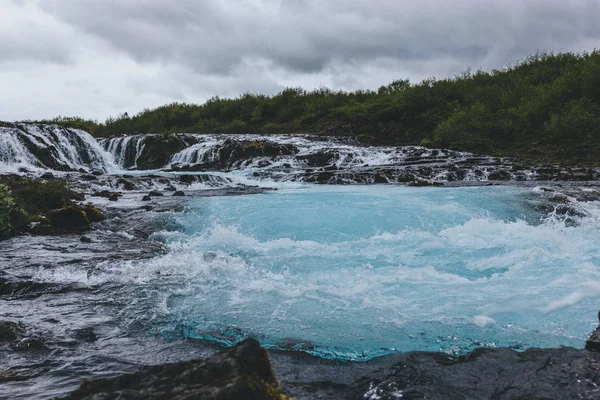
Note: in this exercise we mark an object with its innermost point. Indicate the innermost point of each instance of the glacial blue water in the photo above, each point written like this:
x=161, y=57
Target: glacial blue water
x=356, y=272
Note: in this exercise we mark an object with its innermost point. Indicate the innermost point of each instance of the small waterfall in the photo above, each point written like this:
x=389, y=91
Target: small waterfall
x=40, y=147
x=126, y=150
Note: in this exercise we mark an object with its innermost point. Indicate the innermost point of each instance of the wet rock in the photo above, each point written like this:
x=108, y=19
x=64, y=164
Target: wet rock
x=242, y=372
x=158, y=150
x=69, y=218
x=320, y=159
x=97, y=172
x=146, y=198
x=41, y=229
x=499, y=175
x=114, y=197
x=47, y=176
x=147, y=208
x=89, y=177
x=85, y=239
x=103, y=193
x=179, y=193
x=85, y=335
x=93, y=213
x=155, y=193
x=125, y=184
x=30, y=344
x=171, y=189
x=593, y=343
x=10, y=332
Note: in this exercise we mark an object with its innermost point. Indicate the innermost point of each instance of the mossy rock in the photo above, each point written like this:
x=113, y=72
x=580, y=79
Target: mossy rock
x=93, y=213
x=69, y=219
x=41, y=229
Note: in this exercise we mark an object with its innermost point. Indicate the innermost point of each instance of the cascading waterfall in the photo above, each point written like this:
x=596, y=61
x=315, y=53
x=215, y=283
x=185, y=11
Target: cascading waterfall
x=125, y=149
x=39, y=147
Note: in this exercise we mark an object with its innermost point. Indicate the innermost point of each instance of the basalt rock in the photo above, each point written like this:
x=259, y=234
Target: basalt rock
x=158, y=150
x=242, y=372
x=10, y=332
x=593, y=343
x=69, y=218
x=93, y=214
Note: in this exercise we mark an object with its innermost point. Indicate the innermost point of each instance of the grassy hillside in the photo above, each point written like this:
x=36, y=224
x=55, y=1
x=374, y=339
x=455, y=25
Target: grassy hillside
x=543, y=108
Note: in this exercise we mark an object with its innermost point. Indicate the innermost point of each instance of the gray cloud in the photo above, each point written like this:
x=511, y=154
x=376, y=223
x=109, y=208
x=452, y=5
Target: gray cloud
x=129, y=54
x=309, y=35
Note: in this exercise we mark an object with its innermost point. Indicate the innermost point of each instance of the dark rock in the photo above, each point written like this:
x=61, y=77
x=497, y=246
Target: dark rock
x=158, y=150
x=69, y=218
x=47, y=176
x=42, y=229
x=10, y=332
x=593, y=343
x=103, y=193
x=320, y=159
x=88, y=177
x=85, y=239
x=171, y=189
x=500, y=175
x=242, y=372
x=147, y=208
x=114, y=197
x=85, y=335
x=125, y=184
x=93, y=213
x=155, y=193
x=146, y=198
x=179, y=193
x=30, y=344
x=187, y=179
x=97, y=172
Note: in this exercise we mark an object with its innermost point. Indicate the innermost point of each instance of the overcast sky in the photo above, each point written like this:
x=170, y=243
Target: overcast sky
x=95, y=58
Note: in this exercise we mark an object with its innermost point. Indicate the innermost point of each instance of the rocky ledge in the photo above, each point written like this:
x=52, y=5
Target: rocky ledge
x=246, y=372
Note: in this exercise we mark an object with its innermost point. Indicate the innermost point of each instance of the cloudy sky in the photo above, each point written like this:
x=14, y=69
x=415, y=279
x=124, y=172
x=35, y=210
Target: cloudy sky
x=95, y=58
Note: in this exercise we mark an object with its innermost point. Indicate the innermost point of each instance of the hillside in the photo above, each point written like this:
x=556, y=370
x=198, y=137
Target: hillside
x=543, y=108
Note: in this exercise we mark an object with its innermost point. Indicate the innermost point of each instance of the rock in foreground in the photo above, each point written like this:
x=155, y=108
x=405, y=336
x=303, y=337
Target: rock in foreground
x=242, y=372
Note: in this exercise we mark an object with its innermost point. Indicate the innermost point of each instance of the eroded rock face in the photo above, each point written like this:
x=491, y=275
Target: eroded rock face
x=242, y=372
x=158, y=149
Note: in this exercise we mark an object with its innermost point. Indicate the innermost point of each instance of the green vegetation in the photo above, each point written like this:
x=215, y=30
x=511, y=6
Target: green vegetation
x=6, y=205
x=543, y=108
x=25, y=200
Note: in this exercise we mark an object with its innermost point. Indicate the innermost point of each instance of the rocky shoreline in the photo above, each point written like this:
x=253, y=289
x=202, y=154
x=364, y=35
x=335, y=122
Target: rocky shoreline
x=245, y=371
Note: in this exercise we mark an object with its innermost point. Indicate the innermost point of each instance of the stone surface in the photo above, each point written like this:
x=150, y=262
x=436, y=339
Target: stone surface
x=242, y=372
x=69, y=218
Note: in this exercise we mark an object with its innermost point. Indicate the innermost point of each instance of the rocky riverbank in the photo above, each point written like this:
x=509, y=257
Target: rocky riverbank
x=245, y=371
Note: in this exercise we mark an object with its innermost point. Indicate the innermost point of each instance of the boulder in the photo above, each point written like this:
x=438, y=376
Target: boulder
x=10, y=332
x=146, y=198
x=114, y=197
x=179, y=193
x=85, y=239
x=155, y=193
x=42, y=229
x=93, y=214
x=242, y=372
x=69, y=218
x=593, y=343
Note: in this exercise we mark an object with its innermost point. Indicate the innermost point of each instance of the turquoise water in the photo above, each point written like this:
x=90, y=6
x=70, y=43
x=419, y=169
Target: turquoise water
x=357, y=272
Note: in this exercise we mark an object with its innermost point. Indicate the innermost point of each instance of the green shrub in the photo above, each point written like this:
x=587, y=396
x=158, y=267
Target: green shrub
x=6, y=206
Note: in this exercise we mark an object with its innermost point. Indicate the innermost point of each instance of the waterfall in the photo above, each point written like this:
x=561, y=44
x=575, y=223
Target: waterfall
x=36, y=147
x=126, y=150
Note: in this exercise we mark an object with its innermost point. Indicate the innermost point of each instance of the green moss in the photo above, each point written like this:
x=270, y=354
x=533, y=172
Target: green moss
x=7, y=204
